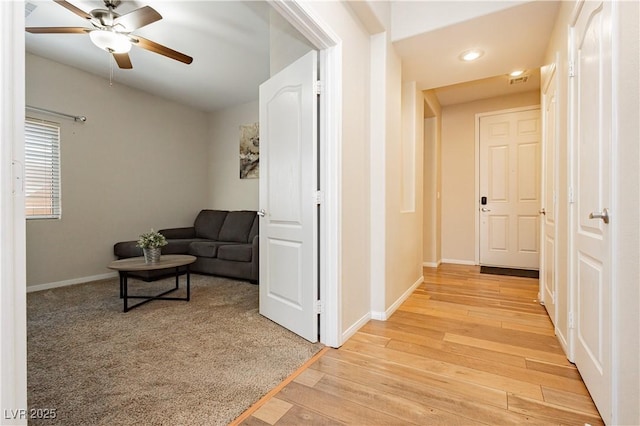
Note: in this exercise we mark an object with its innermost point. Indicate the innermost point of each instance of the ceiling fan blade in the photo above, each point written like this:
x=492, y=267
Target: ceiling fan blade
x=138, y=18
x=162, y=50
x=123, y=60
x=57, y=30
x=81, y=13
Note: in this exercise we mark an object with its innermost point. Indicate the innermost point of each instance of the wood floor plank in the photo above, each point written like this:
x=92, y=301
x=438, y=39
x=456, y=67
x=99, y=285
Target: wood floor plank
x=508, y=348
x=390, y=402
x=272, y=411
x=550, y=412
x=335, y=407
x=464, y=348
x=463, y=389
x=446, y=369
x=297, y=416
x=581, y=403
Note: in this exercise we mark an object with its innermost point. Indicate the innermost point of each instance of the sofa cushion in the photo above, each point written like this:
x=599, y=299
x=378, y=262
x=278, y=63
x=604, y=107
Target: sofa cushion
x=235, y=252
x=236, y=226
x=204, y=248
x=208, y=223
x=178, y=246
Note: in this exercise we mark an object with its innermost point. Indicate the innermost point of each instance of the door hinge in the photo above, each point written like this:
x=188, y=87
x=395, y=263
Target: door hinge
x=317, y=87
x=572, y=69
x=571, y=195
x=571, y=323
x=319, y=197
x=318, y=308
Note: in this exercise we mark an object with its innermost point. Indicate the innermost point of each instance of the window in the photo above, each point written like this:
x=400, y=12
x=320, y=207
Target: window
x=42, y=169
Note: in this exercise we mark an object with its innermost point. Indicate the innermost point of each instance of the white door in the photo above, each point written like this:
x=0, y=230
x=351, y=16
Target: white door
x=510, y=189
x=591, y=106
x=548, y=210
x=288, y=184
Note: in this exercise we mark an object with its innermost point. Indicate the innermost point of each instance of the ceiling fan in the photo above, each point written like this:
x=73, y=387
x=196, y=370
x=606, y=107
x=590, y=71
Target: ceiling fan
x=113, y=32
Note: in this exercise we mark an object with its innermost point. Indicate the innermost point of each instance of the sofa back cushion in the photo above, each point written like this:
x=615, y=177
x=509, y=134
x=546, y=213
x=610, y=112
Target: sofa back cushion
x=208, y=223
x=236, y=226
x=255, y=229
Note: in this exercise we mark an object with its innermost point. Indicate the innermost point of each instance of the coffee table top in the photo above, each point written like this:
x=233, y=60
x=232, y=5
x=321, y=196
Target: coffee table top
x=138, y=264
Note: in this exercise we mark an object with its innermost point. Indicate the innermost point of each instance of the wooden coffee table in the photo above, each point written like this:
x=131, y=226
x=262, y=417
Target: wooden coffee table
x=137, y=264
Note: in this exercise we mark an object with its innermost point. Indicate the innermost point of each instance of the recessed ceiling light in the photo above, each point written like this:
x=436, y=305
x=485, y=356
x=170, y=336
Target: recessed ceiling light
x=471, y=55
x=516, y=73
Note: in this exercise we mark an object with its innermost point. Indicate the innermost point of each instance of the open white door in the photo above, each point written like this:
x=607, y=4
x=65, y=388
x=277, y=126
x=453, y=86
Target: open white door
x=591, y=233
x=510, y=189
x=288, y=189
x=548, y=219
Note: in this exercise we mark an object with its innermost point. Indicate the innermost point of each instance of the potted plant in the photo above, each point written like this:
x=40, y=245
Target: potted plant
x=150, y=243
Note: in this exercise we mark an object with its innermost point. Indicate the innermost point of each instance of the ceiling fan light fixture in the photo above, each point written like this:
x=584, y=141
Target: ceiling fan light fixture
x=110, y=41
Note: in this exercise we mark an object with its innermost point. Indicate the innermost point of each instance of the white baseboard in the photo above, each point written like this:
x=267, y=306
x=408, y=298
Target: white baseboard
x=383, y=316
x=47, y=286
x=355, y=327
x=459, y=262
x=431, y=264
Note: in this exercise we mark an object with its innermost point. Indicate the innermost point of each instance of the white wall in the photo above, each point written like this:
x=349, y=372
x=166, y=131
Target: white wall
x=138, y=162
x=226, y=190
x=459, y=172
x=286, y=44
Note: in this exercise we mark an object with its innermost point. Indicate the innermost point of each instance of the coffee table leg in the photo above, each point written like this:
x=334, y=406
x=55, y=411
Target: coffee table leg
x=188, y=284
x=125, y=288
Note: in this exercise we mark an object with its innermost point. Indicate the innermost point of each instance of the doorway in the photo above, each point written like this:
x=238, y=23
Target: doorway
x=509, y=188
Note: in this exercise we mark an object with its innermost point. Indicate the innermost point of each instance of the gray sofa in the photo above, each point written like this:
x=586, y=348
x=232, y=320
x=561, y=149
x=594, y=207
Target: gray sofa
x=224, y=242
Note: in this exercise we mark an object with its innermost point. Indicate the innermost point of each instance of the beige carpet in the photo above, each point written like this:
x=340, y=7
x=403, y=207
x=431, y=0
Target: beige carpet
x=201, y=362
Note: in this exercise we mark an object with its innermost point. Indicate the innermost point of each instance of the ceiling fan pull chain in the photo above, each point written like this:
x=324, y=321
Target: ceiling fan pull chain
x=110, y=71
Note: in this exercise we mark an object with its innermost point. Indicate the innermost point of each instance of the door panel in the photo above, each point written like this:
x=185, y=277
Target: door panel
x=592, y=85
x=288, y=181
x=548, y=256
x=510, y=179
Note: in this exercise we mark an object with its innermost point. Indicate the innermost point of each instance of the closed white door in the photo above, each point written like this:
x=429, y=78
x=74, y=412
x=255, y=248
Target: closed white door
x=548, y=210
x=510, y=189
x=288, y=184
x=591, y=229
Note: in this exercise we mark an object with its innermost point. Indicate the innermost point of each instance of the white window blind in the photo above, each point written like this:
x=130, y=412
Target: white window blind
x=42, y=169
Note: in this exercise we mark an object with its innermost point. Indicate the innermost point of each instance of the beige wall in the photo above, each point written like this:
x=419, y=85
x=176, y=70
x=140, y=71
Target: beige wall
x=138, y=162
x=226, y=190
x=432, y=234
x=355, y=262
x=459, y=172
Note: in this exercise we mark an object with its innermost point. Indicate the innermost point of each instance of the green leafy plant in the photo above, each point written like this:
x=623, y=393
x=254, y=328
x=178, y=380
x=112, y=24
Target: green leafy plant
x=151, y=239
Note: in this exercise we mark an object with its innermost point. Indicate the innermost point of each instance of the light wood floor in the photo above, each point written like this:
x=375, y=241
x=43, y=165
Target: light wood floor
x=465, y=348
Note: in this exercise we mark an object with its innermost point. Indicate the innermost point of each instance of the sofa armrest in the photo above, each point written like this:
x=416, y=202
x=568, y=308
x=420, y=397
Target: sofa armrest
x=126, y=249
x=178, y=233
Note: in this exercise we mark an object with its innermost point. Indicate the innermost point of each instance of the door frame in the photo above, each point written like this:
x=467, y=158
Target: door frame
x=477, y=166
x=13, y=281
x=329, y=46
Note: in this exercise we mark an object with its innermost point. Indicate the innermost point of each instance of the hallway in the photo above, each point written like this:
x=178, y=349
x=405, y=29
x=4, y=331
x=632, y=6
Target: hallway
x=465, y=348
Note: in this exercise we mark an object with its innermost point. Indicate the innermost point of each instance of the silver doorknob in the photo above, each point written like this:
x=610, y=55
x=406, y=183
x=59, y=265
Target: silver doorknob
x=604, y=215
x=261, y=212
x=542, y=211
x=484, y=209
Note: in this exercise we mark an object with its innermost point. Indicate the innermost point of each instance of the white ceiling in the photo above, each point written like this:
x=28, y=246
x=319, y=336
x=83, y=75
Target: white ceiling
x=229, y=41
